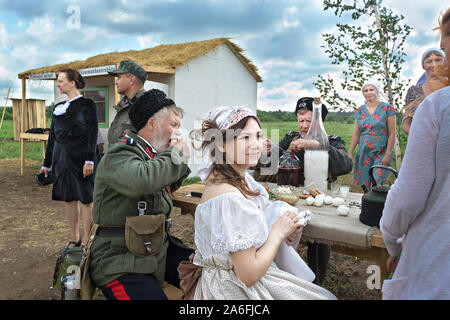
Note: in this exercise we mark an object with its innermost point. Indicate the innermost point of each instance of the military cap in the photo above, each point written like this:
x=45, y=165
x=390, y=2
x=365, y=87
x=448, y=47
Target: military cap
x=307, y=102
x=128, y=66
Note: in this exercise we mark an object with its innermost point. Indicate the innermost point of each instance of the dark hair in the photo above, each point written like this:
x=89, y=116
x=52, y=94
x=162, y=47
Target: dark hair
x=224, y=173
x=146, y=106
x=73, y=75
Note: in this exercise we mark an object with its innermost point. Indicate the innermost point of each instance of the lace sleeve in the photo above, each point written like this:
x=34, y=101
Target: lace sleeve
x=234, y=224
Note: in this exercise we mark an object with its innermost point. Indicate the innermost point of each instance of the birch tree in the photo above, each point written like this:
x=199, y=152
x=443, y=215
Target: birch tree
x=370, y=48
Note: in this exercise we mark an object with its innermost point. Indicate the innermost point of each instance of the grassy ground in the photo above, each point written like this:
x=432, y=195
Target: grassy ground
x=10, y=149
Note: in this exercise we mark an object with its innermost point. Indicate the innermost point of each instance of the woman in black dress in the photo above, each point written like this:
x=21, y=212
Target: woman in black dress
x=72, y=153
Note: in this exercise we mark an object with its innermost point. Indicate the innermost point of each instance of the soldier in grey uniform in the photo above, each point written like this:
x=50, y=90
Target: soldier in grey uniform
x=134, y=252
x=130, y=83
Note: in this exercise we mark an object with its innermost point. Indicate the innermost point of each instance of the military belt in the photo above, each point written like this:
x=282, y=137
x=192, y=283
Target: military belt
x=111, y=231
x=107, y=231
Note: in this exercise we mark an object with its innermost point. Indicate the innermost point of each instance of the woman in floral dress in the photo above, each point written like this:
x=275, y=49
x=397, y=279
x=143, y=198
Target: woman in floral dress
x=374, y=133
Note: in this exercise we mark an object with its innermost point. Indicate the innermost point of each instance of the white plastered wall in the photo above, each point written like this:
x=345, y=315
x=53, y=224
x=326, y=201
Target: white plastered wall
x=216, y=79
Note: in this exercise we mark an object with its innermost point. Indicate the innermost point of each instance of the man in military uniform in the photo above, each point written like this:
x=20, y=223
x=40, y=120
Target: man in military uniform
x=133, y=252
x=130, y=83
x=339, y=164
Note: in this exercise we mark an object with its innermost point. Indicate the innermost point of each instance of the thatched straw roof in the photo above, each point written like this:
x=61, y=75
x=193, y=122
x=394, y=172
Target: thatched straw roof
x=164, y=58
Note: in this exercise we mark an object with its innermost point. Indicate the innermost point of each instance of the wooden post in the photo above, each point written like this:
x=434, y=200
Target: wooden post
x=22, y=125
x=4, y=108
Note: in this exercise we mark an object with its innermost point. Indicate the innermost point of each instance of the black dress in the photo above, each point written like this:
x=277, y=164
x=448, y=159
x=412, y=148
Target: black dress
x=72, y=141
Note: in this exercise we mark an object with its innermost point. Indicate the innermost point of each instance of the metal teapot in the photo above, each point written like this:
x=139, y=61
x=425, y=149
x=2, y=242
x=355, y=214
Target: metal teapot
x=373, y=200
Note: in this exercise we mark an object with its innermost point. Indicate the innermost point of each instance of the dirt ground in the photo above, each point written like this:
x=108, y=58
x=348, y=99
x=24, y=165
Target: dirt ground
x=33, y=229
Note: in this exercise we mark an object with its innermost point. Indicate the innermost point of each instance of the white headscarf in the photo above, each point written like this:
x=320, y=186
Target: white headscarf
x=372, y=83
x=224, y=117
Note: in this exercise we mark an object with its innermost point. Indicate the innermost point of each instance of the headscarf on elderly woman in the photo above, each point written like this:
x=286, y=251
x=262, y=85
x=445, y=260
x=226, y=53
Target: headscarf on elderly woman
x=427, y=83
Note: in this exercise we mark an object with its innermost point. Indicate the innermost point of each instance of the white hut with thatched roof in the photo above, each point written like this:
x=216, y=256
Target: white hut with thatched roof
x=197, y=75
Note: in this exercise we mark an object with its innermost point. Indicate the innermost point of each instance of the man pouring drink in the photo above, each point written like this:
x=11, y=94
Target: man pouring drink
x=301, y=147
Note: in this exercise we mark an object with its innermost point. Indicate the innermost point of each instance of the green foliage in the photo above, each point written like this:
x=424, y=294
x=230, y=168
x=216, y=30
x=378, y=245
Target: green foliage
x=49, y=110
x=268, y=116
x=361, y=49
x=276, y=116
x=8, y=113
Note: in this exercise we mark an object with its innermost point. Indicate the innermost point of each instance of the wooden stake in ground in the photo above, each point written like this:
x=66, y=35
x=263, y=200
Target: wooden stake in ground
x=4, y=108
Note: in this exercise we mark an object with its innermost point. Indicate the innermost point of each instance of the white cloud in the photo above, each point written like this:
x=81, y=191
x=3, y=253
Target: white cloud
x=144, y=41
x=285, y=96
x=42, y=28
x=4, y=37
x=292, y=10
x=120, y=17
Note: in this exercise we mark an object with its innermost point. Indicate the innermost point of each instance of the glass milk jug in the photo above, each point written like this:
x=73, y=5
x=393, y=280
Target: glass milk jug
x=289, y=169
x=316, y=153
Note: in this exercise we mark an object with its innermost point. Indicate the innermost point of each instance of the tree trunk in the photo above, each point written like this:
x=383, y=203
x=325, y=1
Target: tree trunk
x=398, y=154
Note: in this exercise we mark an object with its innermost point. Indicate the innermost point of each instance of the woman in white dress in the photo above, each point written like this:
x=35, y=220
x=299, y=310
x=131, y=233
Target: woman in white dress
x=235, y=246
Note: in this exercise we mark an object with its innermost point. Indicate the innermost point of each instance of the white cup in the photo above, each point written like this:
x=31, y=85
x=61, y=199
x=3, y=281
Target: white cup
x=344, y=190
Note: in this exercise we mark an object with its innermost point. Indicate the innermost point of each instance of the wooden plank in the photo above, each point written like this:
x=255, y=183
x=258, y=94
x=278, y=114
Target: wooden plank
x=183, y=200
x=37, y=136
x=16, y=118
x=377, y=239
x=24, y=97
x=22, y=156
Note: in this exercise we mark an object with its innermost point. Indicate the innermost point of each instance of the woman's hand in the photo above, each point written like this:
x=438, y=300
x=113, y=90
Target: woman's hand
x=285, y=225
x=45, y=171
x=386, y=159
x=390, y=263
x=88, y=169
x=351, y=156
x=294, y=235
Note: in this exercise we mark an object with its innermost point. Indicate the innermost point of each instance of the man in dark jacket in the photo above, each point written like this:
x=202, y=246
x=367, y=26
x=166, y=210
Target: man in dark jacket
x=339, y=164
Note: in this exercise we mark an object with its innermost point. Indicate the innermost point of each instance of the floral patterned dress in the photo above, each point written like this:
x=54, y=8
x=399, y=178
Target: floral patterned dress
x=372, y=144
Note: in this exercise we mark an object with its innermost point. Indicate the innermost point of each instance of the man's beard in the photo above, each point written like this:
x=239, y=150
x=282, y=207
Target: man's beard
x=159, y=143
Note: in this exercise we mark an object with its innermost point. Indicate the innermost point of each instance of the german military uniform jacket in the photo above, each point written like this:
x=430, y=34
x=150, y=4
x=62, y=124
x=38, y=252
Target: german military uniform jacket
x=126, y=175
x=122, y=121
x=339, y=161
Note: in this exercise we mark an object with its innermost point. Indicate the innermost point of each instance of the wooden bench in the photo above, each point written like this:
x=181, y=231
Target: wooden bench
x=26, y=137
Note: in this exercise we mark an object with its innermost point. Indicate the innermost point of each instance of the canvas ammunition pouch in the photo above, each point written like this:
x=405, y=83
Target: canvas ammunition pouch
x=145, y=234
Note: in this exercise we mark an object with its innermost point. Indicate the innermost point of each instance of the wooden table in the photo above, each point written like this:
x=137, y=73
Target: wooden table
x=377, y=252
x=24, y=137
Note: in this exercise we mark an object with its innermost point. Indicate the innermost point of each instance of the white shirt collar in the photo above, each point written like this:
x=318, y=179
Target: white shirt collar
x=62, y=108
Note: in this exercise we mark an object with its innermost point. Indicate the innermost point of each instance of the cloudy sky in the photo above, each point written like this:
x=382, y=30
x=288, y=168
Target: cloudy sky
x=282, y=37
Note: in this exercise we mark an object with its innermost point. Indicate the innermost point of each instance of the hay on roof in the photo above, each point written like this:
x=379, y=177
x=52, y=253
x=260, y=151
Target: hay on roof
x=163, y=57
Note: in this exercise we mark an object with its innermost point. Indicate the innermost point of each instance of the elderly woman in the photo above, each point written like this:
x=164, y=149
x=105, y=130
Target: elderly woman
x=430, y=60
x=374, y=133
x=417, y=206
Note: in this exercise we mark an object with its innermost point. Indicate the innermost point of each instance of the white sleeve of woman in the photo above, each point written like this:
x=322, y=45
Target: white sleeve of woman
x=408, y=197
x=236, y=224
